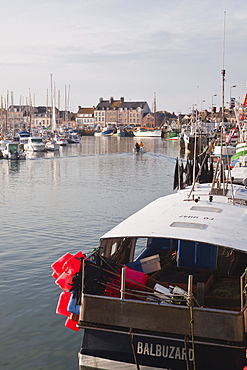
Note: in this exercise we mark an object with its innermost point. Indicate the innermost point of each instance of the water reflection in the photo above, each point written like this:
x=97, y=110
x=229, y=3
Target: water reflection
x=10, y=166
x=14, y=166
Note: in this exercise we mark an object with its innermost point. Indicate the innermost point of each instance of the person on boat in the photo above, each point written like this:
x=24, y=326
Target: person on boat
x=137, y=147
x=141, y=144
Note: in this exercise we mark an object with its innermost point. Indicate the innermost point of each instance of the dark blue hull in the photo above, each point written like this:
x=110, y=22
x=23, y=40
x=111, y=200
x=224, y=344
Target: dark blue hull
x=162, y=352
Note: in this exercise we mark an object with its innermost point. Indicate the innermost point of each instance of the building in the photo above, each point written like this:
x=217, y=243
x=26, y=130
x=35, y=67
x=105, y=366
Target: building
x=84, y=118
x=120, y=112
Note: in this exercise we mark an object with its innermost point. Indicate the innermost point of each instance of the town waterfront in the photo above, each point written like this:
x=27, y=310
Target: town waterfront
x=60, y=202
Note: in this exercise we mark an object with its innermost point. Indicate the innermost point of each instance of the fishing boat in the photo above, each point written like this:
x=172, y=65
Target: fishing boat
x=225, y=151
x=241, y=146
x=172, y=135
x=11, y=150
x=239, y=171
x=144, y=132
x=165, y=289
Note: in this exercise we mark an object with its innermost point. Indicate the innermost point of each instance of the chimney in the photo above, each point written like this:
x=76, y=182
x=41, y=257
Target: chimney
x=100, y=100
x=122, y=99
x=111, y=99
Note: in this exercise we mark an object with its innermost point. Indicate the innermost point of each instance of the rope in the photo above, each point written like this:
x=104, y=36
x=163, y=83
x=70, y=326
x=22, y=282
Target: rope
x=133, y=348
x=187, y=352
x=192, y=334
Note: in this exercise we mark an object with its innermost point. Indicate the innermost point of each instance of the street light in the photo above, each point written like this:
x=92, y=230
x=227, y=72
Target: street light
x=231, y=103
x=203, y=101
x=213, y=100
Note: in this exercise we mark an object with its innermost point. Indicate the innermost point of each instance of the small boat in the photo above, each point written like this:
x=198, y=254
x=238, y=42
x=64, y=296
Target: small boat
x=35, y=144
x=239, y=171
x=139, y=148
x=74, y=139
x=106, y=131
x=61, y=140
x=120, y=132
x=51, y=145
x=144, y=132
x=97, y=132
x=12, y=150
x=223, y=151
x=172, y=135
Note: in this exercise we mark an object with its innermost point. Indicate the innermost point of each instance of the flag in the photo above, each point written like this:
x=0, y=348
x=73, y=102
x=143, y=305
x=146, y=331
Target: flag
x=245, y=101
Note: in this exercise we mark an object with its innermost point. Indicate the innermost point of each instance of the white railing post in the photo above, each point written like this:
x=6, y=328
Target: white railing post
x=123, y=283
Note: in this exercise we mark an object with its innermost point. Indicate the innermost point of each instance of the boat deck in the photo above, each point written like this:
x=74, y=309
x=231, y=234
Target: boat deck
x=210, y=289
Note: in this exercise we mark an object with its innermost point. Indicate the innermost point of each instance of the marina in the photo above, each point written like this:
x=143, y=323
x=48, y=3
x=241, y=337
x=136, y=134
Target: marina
x=123, y=170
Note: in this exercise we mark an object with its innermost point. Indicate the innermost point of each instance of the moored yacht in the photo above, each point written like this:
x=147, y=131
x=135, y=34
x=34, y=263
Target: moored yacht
x=61, y=140
x=35, y=144
x=12, y=150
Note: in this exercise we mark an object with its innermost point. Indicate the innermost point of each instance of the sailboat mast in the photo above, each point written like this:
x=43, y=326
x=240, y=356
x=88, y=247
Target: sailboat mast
x=53, y=113
x=155, y=114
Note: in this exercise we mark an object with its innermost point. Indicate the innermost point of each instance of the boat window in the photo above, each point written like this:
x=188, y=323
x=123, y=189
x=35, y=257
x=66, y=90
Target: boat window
x=166, y=249
x=141, y=246
x=206, y=209
x=189, y=225
x=118, y=249
x=114, y=248
x=192, y=254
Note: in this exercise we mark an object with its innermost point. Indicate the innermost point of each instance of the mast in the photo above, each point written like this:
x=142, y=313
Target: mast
x=53, y=114
x=7, y=107
x=155, y=114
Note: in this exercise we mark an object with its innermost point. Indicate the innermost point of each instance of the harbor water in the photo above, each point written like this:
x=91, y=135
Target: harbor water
x=59, y=202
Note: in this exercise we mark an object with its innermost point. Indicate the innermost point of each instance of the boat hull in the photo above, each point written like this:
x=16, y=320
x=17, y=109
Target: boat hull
x=116, y=350
x=148, y=133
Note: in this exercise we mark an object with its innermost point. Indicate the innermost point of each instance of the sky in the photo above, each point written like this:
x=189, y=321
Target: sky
x=134, y=49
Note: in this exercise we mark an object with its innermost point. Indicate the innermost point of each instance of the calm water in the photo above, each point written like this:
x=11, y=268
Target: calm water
x=53, y=203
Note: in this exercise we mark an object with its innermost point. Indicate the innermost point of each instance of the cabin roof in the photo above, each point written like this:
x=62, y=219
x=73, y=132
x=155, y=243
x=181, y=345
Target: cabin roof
x=219, y=222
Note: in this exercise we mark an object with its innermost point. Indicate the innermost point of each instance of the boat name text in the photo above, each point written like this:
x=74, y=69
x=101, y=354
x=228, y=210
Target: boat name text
x=193, y=217
x=158, y=350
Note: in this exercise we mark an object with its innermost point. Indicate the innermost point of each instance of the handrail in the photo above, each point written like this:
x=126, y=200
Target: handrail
x=242, y=290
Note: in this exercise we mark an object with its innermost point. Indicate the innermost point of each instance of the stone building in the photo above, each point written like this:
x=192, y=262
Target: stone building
x=119, y=112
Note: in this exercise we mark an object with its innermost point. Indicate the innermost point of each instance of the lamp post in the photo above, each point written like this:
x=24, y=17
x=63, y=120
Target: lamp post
x=231, y=103
x=213, y=101
x=203, y=101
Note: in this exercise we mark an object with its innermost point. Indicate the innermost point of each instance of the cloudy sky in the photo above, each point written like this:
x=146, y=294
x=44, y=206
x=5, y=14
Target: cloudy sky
x=129, y=48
